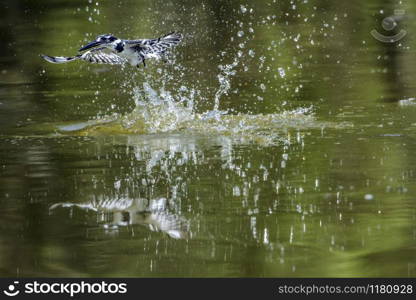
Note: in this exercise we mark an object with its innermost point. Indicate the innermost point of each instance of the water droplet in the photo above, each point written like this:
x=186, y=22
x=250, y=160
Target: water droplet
x=369, y=197
x=282, y=72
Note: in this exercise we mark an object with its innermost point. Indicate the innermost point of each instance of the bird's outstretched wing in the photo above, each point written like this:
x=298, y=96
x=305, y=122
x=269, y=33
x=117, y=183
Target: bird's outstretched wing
x=96, y=56
x=155, y=46
x=100, y=56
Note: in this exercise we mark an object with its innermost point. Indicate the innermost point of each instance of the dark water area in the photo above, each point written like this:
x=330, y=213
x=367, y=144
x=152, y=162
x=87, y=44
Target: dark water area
x=277, y=141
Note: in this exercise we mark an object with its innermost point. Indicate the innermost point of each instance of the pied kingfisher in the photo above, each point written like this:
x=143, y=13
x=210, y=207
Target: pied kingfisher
x=116, y=51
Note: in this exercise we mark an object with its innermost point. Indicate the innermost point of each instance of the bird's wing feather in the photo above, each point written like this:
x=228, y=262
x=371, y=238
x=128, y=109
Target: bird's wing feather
x=58, y=59
x=132, y=43
x=156, y=46
x=101, y=56
x=97, y=56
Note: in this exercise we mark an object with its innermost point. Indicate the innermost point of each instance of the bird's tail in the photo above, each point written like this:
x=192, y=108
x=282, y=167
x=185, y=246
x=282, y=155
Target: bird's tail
x=59, y=59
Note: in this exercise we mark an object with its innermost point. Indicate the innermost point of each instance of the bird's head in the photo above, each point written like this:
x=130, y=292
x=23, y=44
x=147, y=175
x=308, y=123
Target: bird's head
x=106, y=40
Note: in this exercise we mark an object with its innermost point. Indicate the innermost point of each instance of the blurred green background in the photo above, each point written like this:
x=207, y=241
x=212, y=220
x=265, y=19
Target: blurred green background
x=307, y=172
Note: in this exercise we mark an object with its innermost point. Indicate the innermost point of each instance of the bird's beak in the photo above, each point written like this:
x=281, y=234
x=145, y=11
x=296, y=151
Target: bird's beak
x=90, y=45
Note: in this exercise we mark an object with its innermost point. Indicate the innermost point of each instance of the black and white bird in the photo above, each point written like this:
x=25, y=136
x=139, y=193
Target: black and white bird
x=108, y=49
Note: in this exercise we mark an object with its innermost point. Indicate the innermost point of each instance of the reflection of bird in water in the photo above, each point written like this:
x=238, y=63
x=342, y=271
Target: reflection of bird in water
x=125, y=211
x=108, y=49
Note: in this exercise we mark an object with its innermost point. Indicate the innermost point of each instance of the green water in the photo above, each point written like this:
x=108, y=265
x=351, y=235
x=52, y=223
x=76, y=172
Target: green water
x=279, y=140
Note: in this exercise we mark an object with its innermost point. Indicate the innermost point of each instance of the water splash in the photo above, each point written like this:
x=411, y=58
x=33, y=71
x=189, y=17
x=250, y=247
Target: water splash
x=224, y=79
x=159, y=111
